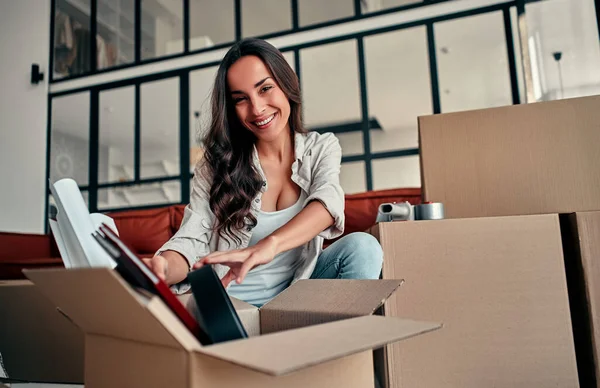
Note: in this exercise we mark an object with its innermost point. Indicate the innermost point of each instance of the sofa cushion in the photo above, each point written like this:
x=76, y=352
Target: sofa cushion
x=176, y=216
x=144, y=231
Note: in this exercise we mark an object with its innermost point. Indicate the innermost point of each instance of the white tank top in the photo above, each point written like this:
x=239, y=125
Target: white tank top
x=264, y=282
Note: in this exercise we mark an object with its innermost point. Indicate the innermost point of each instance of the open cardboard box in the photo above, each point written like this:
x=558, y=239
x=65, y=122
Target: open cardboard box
x=135, y=340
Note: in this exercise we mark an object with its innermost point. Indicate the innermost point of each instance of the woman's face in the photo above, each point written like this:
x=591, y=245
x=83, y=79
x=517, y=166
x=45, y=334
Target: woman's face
x=260, y=104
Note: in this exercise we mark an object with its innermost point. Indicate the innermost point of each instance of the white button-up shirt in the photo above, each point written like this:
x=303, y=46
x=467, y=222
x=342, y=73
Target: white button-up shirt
x=316, y=170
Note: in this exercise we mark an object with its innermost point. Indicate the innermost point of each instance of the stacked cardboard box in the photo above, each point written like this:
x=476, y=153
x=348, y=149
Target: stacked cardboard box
x=498, y=285
x=523, y=159
x=494, y=272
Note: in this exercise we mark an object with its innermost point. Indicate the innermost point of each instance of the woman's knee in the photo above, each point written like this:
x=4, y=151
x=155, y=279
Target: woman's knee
x=366, y=247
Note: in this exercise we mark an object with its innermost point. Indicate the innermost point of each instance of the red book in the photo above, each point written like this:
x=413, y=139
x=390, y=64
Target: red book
x=138, y=274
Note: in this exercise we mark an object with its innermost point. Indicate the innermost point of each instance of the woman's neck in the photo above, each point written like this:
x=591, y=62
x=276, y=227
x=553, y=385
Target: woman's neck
x=278, y=150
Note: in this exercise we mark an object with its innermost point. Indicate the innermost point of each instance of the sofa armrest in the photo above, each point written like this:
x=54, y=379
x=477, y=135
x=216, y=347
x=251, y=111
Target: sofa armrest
x=23, y=251
x=23, y=246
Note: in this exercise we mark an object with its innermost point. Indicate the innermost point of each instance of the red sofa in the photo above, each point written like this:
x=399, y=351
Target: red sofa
x=146, y=230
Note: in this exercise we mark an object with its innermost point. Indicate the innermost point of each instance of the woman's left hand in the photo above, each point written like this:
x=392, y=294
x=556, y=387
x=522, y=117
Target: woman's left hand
x=241, y=261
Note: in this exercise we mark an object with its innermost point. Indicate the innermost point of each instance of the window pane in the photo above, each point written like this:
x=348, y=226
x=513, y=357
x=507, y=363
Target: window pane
x=319, y=11
x=139, y=195
x=398, y=87
x=116, y=33
x=201, y=84
x=159, y=106
x=211, y=23
x=290, y=57
x=352, y=177
x=70, y=138
x=330, y=87
x=162, y=28
x=116, y=135
x=569, y=28
x=261, y=17
x=391, y=173
x=72, y=38
x=472, y=63
x=351, y=143
x=369, y=6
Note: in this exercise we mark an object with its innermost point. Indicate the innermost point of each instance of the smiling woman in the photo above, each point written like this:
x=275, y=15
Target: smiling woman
x=266, y=192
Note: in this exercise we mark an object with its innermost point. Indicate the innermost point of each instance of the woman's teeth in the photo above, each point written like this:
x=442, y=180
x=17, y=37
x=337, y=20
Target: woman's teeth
x=265, y=122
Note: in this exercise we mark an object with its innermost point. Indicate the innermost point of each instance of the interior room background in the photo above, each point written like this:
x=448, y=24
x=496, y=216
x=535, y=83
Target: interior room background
x=125, y=123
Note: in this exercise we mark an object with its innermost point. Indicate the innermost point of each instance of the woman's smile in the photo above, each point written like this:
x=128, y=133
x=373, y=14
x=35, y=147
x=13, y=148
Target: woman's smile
x=264, y=123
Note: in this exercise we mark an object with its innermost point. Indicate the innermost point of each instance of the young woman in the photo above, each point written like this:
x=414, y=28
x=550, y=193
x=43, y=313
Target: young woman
x=267, y=192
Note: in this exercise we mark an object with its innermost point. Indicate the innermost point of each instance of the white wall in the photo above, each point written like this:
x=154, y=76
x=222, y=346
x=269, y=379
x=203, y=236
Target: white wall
x=25, y=31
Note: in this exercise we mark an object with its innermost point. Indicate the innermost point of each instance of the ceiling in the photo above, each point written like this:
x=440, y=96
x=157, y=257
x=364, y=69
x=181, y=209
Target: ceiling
x=472, y=65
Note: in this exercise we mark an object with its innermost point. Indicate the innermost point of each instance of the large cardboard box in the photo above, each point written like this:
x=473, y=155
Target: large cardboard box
x=499, y=286
x=581, y=239
x=522, y=159
x=135, y=340
x=37, y=342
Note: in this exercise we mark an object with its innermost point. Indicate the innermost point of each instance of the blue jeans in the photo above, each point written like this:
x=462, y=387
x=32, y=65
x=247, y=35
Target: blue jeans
x=354, y=256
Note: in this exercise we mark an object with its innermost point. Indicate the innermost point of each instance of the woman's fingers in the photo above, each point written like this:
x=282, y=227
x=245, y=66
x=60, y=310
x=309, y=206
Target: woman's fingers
x=220, y=257
x=240, y=262
x=158, y=265
x=228, y=278
x=219, y=253
x=226, y=257
x=246, y=267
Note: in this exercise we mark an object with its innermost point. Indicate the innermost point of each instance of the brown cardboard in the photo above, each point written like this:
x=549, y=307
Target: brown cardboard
x=311, y=302
x=37, y=342
x=353, y=371
x=93, y=300
x=499, y=286
x=522, y=159
x=249, y=315
x=315, y=344
x=581, y=236
x=160, y=337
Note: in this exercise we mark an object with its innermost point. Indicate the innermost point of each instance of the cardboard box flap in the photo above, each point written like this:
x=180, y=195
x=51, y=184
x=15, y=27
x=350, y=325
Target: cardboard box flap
x=346, y=297
x=311, y=302
x=285, y=352
x=249, y=315
x=100, y=302
x=241, y=306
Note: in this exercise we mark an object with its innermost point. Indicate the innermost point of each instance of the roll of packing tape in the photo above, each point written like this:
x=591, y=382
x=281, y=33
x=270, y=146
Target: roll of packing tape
x=429, y=211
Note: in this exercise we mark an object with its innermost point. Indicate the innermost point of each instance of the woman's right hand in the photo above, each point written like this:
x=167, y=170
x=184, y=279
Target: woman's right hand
x=159, y=265
x=170, y=266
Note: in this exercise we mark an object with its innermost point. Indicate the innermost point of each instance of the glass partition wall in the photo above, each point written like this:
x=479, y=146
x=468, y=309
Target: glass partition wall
x=133, y=143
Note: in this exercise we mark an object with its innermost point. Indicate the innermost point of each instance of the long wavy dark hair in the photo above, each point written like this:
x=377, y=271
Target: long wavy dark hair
x=229, y=145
